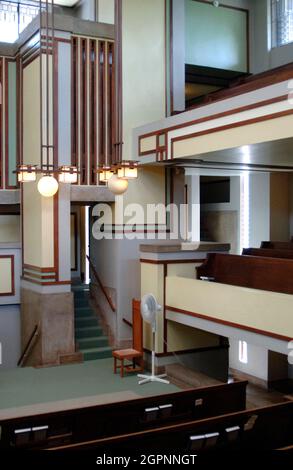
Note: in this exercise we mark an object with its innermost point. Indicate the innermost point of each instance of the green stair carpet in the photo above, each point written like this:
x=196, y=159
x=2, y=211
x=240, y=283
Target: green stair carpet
x=89, y=335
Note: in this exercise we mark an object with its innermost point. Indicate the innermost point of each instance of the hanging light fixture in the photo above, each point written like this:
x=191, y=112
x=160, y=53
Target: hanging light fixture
x=105, y=173
x=117, y=185
x=26, y=173
x=68, y=174
x=127, y=169
x=51, y=173
x=48, y=186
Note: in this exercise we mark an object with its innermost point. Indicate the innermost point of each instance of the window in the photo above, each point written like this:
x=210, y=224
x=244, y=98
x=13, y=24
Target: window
x=14, y=18
x=243, y=352
x=282, y=22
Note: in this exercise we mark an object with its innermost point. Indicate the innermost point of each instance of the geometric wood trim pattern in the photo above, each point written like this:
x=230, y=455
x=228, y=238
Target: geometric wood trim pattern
x=161, y=151
x=233, y=125
x=92, y=106
x=12, y=276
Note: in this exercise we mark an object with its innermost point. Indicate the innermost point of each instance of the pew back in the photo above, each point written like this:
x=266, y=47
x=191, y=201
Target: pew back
x=267, y=428
x=102, y=421
x=271, y=274
x=268, y=253
x=277, y=245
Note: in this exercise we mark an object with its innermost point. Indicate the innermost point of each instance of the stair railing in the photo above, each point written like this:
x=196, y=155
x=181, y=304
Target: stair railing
x=29, y=346
x=100, y=284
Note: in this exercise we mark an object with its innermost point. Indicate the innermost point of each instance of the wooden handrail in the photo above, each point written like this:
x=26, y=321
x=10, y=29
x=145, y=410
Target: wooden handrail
x=102, y=287
x=29, y=345
x=248, y=84
x=127, y=322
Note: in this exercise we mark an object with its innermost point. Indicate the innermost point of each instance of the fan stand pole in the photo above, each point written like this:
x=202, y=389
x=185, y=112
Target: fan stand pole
x=153, y=377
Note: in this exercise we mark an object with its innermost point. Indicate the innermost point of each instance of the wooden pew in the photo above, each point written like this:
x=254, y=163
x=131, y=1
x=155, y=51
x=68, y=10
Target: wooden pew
x=271, y=274
x=268, y=252
x=103, y=421
x=267, y=428
x=277, y=245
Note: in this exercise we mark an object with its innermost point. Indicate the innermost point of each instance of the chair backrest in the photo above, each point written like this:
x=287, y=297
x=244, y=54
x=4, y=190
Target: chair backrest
x=137, y=333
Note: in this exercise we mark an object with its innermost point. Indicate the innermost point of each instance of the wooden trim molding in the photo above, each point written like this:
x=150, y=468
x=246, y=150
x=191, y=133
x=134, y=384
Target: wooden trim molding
x=12, y=274
x=172, y=261
x=38, y=268
x=233, y=125
x=211, y=117
x=229, y=323
x=40, y=283
x=188, y=351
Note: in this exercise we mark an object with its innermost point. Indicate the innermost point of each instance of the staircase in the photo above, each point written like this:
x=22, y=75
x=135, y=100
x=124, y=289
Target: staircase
x=89, y=335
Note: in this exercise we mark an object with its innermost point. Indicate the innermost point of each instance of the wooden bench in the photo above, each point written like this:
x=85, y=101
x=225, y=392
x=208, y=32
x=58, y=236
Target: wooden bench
x=268, y=252
x=271, y=274
x=277, y=245
x=259, y=429
x=103, y=421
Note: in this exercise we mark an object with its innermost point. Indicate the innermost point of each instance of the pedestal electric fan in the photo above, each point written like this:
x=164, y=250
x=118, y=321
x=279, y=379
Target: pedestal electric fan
x=149, y=309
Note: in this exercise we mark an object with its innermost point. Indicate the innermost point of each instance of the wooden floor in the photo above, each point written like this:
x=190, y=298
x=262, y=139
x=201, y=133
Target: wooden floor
x=257, y=396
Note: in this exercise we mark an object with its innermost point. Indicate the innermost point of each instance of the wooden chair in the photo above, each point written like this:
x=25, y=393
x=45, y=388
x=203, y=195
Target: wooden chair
x=134, y=354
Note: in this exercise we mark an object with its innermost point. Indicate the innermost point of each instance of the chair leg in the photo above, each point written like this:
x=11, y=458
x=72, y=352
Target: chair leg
x=115, y=365
x=122, y=368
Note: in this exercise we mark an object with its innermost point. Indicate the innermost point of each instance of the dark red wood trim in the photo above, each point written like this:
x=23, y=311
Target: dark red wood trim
x=210, y=118
x=28, y=62
x=101, y=95
x=92, y=110
x=83, y=110
x=111, y=101
x=74, y=98
x=12, y=273
x=172, y=261
x=231, y=324
x=38, y=268
x=39, y=276
x=56, y=283
x=118, y=83
x=18, y=113
x=165, y=335
x=187, y=351
x=55, y=103
x=234, y=125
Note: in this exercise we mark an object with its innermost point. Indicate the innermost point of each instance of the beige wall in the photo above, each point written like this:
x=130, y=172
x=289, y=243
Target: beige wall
x=222, y=226
x=182, y=337
x=274, y=129
x=5, y=276
x=149, y=188
x=9, y=228
x=143, y=56
x=254, y=308
x=106, y=11
x=152, y=281
x=31, y=112
x=38, y=227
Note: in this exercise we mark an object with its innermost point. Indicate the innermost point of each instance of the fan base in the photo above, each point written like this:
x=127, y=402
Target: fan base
x=152, y=378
